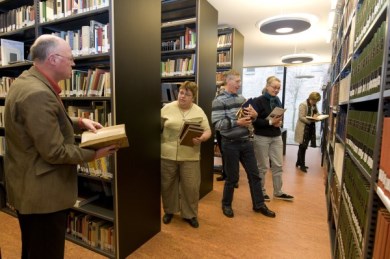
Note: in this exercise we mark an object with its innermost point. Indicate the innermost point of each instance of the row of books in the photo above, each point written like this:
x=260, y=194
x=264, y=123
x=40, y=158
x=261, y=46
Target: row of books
x=2, y=145
x=97, y=111
x=384, y=166
x=89, y=39
x=96, y=232
x=224, y=40
x=56, y=9
x=343, y=93
x=11, y=51
x=365, y=16
x=2, y=116
x=178, y=67
x=95, y=82
x=341, y=123
x=361, y=136
x=224, y=58
x=382, y=235
x=5, y=83
x=356, y=191
x=101, y=168
x=366, y=68
x=17, y=18
x=348, y=246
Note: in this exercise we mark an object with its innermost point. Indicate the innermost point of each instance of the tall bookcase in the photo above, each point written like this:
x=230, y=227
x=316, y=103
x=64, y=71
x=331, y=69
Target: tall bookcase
x=181, y=19
x=131, y=198
x=358, y=97
x=230, y=51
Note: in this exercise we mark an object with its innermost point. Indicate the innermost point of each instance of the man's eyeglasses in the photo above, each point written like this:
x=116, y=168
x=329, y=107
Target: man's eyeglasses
x=71, y=59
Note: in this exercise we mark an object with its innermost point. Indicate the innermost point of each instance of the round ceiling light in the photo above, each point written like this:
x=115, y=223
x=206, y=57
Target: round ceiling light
x=286, y=24
x=298, y=58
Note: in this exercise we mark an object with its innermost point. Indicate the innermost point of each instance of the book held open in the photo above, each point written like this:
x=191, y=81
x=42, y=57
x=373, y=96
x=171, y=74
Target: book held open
x=318, y=118
x=113, y=135
x=276, y=113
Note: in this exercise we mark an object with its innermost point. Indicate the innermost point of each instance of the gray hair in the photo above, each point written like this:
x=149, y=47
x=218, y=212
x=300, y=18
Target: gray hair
x=43, y=46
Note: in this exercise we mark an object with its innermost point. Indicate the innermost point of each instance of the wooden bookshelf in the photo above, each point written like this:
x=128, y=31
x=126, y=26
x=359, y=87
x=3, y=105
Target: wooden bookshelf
x=133, y=58
x=200, y=17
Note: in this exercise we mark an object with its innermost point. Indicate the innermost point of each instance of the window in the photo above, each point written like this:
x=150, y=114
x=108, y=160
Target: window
x=301, y=80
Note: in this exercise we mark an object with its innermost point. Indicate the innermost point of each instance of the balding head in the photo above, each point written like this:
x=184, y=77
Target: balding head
x=43, y=46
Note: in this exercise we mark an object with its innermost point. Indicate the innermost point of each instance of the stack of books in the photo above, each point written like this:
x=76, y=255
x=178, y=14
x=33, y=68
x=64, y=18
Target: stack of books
x=189, y=131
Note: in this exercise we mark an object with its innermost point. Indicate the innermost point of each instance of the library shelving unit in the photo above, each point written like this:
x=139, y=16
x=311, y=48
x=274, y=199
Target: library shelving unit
x=358, y=97
x=230, y=52
x=128, y=207
x=188, y=36
x=230, y=55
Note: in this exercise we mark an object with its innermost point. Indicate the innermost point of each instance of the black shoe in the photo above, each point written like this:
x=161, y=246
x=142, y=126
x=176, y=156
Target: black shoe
x=303, y=168
x=285, y=197
x=299, y=165
x=265, y=211
x=193, y=222
x=228, y=211
x=221, y=178
x=266, y=197
x=167, y=218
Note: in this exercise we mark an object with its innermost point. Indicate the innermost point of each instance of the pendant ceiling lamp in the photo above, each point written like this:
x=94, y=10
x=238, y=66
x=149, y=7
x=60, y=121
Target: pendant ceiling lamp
x=286, y=24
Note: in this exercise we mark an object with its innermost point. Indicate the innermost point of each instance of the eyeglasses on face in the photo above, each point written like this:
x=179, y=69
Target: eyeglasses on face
x=71, y=59
x=187, y=94
x=276, y=88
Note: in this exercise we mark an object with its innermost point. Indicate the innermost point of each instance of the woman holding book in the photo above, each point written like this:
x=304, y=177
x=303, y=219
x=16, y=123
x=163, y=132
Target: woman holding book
x=305, y=129
x=180, y=167
x=268, y=143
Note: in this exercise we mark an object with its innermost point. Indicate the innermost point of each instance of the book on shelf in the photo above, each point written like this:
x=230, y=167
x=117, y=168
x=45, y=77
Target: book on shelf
x=189, y=131
x=112, y=135
x=11, y=51
x=277, y=112
x=318, y=118
x=85, y=199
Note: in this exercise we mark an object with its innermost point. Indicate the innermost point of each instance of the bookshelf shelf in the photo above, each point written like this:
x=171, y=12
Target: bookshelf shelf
x=200, y=17
x=383, y=197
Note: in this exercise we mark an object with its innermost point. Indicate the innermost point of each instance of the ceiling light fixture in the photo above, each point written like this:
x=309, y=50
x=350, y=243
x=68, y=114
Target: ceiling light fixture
x=286, y=24
x=298, y=58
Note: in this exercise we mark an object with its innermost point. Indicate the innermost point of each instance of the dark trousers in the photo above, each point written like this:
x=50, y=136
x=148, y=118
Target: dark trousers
x=218, y=136
x=235, y=152
x=43, y=235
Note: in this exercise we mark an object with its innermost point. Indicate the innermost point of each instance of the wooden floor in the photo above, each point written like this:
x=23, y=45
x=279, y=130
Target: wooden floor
x=300, y=229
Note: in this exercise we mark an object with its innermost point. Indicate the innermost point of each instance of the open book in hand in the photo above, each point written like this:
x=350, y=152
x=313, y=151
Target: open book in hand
x=318, y=118
x=277, y=112
x=189, y=131
x=113, y=135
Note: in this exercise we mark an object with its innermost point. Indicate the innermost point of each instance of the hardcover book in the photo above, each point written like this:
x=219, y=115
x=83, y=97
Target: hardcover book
x=113, y=135
x=276, y=113
x=190, y=131
x=318, y=118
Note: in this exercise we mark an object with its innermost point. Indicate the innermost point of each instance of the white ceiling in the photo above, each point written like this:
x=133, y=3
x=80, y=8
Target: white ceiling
x=266, y=50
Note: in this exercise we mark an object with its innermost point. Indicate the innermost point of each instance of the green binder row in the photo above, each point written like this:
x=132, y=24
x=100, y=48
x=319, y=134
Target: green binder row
x=361, y=130
x=366, y=68
x=357, y=188
x=347, y=244
x=365, y=16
